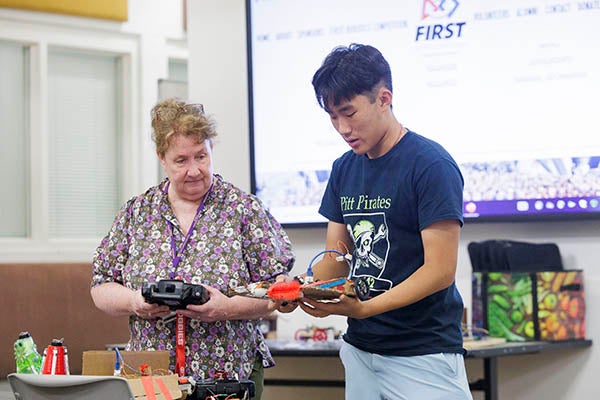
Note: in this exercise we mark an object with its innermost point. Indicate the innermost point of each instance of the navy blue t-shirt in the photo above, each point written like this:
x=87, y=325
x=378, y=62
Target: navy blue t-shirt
x=385, y=203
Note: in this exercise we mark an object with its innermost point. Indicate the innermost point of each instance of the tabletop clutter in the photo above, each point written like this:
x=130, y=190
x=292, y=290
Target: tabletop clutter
x=147, y=372
x=54, y=361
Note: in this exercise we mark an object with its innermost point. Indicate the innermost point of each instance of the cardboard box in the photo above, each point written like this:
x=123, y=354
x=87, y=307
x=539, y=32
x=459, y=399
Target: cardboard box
x=169, y=383
x=102, y=362
x=523, y=306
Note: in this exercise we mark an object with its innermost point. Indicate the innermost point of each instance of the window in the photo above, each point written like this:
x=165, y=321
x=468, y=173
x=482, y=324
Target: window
x=69, y=125
x=178, y=70
x=83, y=137
x=14, y=136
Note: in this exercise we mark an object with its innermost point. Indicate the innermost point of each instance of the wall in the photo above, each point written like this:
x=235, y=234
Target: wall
x=52, y=301
x=218, y=78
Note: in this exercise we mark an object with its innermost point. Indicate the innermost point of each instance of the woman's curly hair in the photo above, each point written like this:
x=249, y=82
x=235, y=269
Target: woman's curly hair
x=172, y=117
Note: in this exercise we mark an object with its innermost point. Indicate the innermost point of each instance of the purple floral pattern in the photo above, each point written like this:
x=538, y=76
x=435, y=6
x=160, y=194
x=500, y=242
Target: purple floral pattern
x=235, y=241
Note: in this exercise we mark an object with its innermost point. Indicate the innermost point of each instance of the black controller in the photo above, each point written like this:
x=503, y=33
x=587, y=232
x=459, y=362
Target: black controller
x=174, y=293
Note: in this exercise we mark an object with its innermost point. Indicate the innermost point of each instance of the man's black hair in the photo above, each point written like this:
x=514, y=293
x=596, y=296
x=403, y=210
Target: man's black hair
x=350, y=71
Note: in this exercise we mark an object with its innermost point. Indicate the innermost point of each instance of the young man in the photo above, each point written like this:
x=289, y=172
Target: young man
x=396, y=200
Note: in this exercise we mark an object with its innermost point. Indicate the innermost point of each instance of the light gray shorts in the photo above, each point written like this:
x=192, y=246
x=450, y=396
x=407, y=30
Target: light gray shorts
x=429, y=377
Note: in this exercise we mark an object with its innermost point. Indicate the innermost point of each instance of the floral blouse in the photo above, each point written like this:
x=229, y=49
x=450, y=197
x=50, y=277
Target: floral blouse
x=235, y=241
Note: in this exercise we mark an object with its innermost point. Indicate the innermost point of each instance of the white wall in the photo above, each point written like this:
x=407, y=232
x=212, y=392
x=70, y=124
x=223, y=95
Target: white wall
x=218, y=78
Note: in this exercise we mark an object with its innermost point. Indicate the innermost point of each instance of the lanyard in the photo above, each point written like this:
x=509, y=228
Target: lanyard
x=176, y=254
x=181, y=320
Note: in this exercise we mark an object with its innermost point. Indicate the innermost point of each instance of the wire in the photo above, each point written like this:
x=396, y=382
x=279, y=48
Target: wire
x=124, y=364
x=118, y=369
x=136, y=373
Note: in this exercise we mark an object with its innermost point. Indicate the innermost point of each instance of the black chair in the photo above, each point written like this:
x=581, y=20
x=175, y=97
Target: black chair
x=512, y=256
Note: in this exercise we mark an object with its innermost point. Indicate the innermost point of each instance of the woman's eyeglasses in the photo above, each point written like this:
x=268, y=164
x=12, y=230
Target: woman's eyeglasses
x=193, y=107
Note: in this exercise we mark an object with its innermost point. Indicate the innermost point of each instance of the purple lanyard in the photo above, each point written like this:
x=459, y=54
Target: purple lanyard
x=176, y=256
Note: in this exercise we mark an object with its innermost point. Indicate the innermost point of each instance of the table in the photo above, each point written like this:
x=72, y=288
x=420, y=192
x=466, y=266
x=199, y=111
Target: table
x=488, y=384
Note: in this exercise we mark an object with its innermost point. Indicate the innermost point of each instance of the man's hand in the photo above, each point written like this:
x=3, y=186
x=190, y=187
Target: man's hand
x=344, y=305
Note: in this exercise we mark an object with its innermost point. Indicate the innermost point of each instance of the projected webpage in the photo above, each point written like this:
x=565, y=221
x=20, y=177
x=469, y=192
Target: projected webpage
x=508, y=87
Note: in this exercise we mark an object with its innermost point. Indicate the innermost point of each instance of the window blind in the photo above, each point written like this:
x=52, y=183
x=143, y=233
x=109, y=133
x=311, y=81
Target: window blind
x=83, y=145
x=14, y=140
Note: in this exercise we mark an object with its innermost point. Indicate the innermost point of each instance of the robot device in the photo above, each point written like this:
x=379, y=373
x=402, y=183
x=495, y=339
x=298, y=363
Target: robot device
x=307, y=287
x=223, y=389
x=294, y=290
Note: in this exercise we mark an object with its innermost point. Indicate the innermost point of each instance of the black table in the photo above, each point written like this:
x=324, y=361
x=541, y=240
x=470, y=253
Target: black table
x=488, y=384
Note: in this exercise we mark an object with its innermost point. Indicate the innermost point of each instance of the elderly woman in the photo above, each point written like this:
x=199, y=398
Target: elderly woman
x=196, y=227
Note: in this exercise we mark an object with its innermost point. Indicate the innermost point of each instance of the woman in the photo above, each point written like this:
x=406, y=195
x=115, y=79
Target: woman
x=196, y=227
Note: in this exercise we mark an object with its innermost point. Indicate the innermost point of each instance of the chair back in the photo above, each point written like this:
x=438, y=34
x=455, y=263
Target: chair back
x=69, y=387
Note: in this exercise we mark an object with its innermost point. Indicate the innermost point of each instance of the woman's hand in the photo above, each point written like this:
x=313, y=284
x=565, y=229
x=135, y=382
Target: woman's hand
x=145, y=310
x=221, y=308
x=217, y=308
x=117, y=300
